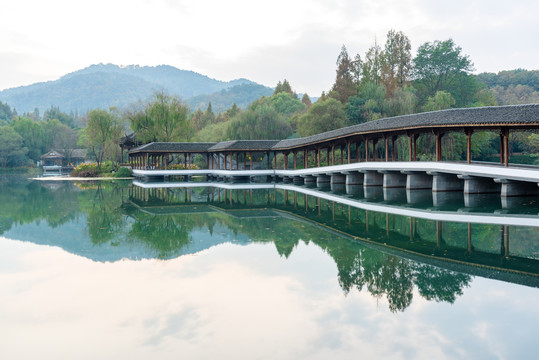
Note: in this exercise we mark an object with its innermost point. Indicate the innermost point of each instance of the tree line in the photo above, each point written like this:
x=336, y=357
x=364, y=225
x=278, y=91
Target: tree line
x=386, y=81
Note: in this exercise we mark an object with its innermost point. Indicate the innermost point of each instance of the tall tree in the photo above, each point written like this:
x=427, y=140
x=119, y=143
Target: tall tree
x=102, y=134
x=11, y=147
x=397, y=61
x=371, y=70
x=344, y=85
x=163, y=119
x=440, y=65
x=322, y=116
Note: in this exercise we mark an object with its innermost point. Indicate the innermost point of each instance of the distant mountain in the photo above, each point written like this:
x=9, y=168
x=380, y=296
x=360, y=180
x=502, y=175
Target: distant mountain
x=106, y=85
x=242, y=95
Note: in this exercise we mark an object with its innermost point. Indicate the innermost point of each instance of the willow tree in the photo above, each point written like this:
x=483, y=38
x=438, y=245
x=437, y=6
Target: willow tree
x=102, y=134
x=164, y=119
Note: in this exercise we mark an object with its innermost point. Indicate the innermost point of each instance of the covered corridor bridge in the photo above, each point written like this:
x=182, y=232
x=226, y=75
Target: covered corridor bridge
x=358, y=153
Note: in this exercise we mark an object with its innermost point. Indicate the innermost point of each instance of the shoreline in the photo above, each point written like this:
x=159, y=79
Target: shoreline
x=69, y=178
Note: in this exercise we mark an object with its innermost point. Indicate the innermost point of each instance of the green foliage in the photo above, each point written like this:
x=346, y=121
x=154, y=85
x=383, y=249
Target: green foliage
x=283, y=87
x=440, y=66
x=5, y=112
x=322, y=116
x=12, y=151
x=440, y=101
x=55, y=113
x=403, y=101
x=102, y=135
x=85, y=170
x=286, y=104
x=163, y=119
x=260, y=122
x=123, y=172
x=183, y=166
x=507, y=78
x=306, y=100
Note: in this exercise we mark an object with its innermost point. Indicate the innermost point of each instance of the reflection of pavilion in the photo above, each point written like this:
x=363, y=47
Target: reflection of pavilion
x=474, y=242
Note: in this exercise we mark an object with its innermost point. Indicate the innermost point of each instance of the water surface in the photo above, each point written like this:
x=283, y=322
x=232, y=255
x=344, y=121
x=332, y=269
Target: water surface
x=112, y=270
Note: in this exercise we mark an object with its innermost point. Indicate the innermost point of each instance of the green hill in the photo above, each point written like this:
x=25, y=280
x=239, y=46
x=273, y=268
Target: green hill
x=103, y=86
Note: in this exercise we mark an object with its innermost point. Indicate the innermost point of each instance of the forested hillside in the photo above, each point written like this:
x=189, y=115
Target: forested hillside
x=104, y=86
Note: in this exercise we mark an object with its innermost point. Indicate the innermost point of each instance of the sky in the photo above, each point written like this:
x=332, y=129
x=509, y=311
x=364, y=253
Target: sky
x=263, y=41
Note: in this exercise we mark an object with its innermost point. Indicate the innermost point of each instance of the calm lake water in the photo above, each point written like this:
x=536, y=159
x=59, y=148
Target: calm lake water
x=121, y=270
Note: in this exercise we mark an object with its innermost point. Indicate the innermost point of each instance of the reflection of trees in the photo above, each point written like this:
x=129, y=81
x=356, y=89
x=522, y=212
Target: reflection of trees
x=167, y=234
x=25, y=202
x=440, y=285
x=383, y=274
x=104, y=218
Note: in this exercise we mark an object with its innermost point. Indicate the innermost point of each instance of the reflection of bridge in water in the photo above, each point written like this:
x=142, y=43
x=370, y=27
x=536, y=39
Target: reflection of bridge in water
x=487, y=240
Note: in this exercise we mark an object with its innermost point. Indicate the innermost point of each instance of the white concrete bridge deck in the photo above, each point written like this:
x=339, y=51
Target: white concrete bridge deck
x=492, y=171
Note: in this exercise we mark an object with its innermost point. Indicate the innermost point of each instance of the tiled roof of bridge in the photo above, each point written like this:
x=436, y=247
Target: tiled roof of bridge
x=470, y=117
x=506, y=115
x=244, y=145
x=173, y=147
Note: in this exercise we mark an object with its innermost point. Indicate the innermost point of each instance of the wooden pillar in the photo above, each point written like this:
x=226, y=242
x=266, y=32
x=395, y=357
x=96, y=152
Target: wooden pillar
x=244, y=161
x=469, y=146
x=386, y=139
x=502, y=160
x=393, y=149
x=366, y=150
x=275, y=161
x=506, y=147
x=410, y=148
x=328, y=150
x=348, y=151
x=237, y=161
x=250, y=161
x=295, y=159
x=305, y=158
x=332, y=154
x=438, y=146
x=268, y=154
x=225, y=160
x=318, y=157
x=374, y=142
x=415, y=146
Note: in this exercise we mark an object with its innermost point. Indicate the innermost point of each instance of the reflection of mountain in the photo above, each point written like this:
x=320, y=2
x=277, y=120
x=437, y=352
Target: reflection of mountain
x=385, y=254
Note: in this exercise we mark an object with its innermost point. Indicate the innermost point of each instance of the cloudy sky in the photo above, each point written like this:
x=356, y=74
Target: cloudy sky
x=264, y=41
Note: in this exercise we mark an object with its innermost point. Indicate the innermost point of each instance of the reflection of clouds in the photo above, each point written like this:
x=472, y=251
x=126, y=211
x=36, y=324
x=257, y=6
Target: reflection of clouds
x=243, y=303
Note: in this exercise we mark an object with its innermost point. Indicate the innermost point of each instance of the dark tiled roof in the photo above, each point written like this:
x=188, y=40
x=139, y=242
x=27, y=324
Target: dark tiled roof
x=173, y=147
x=494, y=116
x=244, y=145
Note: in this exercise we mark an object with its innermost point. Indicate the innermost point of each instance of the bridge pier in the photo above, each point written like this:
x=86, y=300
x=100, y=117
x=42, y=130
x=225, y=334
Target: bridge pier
x=354, y=178
x=479, y=185
x=442, y=182
x=418, y=180
x=512, y=188
x=298, y=180
x=337, y=179
x=309, y=180
x=372, y=178
x=323, y=180
x=393, y=179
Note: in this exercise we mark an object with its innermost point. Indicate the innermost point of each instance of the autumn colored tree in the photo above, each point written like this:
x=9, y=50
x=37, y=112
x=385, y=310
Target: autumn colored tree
x=344, y=85
x=397, y=61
